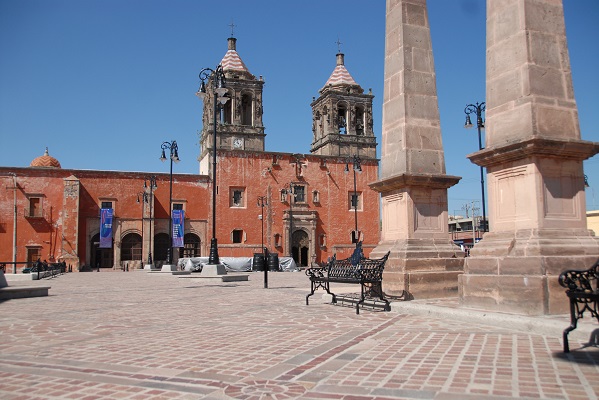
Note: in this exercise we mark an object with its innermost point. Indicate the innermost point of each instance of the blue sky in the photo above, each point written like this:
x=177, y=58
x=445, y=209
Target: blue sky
x=103, y=83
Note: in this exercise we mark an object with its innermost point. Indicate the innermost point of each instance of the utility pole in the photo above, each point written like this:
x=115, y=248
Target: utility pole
x=474, y=212
x=466, y=208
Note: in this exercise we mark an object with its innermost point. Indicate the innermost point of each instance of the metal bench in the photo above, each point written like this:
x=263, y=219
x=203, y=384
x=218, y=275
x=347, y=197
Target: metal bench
x=366, y=272
x=583, y=292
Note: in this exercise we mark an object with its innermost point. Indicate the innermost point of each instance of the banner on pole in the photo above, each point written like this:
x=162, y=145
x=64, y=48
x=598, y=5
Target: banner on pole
x=178, y=227
x=106, y=228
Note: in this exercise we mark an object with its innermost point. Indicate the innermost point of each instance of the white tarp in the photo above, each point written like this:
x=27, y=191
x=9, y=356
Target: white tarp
x=287, y=264
x=233, y=264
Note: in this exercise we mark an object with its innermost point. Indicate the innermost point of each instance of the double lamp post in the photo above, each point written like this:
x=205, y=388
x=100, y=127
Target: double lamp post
x=215, y=80
x=174, y=157
x=356, y=167
x=478, y=109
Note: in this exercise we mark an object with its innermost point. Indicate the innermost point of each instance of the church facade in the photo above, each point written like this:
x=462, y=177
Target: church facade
x=313, y=205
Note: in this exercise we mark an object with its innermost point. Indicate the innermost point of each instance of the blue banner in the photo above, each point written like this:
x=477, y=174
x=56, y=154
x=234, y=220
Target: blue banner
x=106, y=228
x=178, y=227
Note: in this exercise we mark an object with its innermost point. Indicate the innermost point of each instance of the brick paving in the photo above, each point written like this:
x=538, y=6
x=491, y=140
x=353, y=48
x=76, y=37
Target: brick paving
x=136, y=335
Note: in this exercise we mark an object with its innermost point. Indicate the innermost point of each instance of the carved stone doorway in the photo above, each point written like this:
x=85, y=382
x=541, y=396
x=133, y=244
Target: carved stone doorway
x=300, y=248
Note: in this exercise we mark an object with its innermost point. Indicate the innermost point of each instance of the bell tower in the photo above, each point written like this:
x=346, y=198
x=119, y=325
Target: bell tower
x=342, y=117
x=239, y=120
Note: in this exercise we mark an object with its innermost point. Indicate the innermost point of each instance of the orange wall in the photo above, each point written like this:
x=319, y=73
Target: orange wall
x=253, y=171
x=120, y=187
x=256, y=173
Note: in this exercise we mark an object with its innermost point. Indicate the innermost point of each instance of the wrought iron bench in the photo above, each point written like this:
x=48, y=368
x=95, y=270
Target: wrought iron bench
x=583, y=292
x=357, y=269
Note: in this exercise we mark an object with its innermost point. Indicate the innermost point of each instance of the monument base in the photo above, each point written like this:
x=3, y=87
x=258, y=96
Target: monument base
x=518, y=271
x=421, y=268
x=213, y=270
x=19, y=292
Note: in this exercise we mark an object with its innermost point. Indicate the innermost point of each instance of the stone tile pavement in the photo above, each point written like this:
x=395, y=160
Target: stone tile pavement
x=136, y=335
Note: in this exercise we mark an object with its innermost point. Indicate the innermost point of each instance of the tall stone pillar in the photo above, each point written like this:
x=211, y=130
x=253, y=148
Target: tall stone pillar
x=424, y=262
x=534, y=160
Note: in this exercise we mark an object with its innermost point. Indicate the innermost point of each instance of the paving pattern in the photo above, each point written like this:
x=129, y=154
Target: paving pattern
x=136, y=335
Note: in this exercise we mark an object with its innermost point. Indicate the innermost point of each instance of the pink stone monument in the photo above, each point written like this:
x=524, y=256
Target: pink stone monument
x=424, y=262
x=534, y=160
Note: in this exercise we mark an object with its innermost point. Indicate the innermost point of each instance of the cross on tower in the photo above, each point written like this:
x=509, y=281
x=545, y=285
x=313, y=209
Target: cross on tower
x=339, y=43
x=232, y=25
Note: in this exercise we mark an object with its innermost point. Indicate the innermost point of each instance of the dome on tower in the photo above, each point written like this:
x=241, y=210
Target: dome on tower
x=341, y=76
x=45, y=161
x=231, y=62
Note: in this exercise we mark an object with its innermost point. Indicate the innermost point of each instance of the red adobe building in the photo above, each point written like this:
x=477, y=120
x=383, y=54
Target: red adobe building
x=52, y=213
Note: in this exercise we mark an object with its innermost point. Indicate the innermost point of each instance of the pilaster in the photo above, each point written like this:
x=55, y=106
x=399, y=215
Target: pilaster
x=70, y=222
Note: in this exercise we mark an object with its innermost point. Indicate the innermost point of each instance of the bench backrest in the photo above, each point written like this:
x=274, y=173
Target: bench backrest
x=581, y=281
x=366, y=269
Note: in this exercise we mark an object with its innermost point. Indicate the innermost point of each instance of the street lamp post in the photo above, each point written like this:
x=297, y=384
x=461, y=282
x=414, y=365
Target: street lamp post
x=357, y=167
x=263, y=202
x=174, y=156
x=142, y=197
x=215, y=79
x=478, y=110
x=152, y=180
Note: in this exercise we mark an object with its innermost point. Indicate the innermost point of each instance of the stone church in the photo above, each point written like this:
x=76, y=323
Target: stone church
x=315, y=204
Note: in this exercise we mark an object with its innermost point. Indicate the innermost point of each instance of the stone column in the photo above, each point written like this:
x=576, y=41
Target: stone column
x=534, y=160
x=424, y=262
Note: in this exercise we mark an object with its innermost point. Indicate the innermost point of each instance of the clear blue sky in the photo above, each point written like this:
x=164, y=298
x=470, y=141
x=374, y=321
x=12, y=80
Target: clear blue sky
x=103, y=83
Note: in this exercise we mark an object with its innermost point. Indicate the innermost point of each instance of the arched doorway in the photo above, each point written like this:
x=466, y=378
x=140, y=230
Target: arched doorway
x=161, y=247
x=131, y=247
x=100, y=258
x=192, y=246
x=300, y=248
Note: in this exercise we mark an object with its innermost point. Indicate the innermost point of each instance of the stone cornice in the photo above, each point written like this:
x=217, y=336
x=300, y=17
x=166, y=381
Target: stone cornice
x=411, y=180
x=535, y=147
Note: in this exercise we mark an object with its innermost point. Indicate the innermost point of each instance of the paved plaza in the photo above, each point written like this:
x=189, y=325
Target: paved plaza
x=140, y=335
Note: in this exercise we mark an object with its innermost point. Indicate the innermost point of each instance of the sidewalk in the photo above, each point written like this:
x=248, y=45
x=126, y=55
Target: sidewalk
x=135, y=335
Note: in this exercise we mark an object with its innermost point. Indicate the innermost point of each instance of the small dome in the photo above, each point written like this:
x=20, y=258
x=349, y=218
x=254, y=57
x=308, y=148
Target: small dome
x=232, y=64
x=45, y=161
x=341, y=76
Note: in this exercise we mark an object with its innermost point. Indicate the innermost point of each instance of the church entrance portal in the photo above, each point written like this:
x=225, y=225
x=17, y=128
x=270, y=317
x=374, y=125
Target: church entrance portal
x=300, y=248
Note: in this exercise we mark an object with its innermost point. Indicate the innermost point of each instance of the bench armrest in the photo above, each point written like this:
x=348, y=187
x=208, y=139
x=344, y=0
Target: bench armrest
x=580, y=281
x=316, y=272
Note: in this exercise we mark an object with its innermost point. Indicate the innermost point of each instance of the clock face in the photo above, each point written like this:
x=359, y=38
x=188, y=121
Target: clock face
x=238, y=143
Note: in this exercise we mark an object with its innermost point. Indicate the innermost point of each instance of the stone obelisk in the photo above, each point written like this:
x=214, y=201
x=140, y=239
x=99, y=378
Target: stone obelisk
x=424, y=262
x=534, y=160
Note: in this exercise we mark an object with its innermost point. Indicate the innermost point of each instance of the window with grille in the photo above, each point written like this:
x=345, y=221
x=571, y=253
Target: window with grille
x=355, y=201
x=237, y=236
x=237, y=197
x=35, y=207
x=300, y=193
